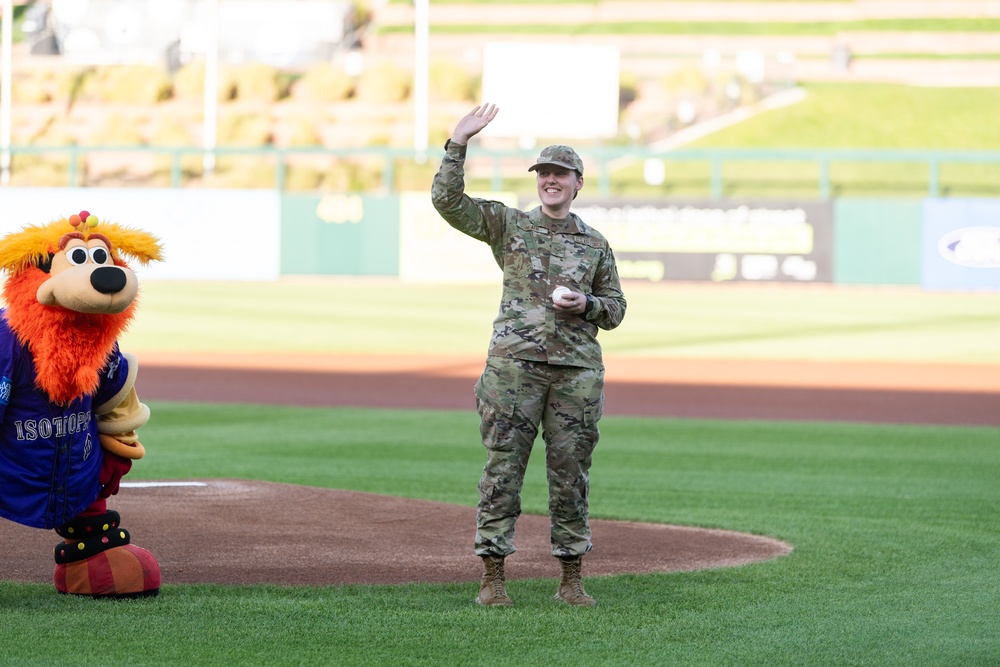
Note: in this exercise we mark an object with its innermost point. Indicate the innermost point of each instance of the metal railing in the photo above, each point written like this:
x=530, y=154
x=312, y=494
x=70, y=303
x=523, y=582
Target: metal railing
x=608, y=160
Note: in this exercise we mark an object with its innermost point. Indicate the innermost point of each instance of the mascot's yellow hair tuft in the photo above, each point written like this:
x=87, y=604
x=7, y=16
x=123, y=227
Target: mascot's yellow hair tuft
x=32, y=245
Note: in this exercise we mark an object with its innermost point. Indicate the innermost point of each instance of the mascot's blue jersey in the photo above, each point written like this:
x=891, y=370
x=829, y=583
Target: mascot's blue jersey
x=50, y=455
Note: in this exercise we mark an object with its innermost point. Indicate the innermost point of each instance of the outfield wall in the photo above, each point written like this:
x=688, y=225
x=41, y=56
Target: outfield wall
x=936, y=243
x=206, y=234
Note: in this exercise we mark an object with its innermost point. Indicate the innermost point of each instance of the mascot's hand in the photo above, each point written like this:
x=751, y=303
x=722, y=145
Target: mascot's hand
x=125, y=445
x=111, y=473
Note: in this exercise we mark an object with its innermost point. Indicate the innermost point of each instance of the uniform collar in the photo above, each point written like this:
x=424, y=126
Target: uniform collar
x=568, y=225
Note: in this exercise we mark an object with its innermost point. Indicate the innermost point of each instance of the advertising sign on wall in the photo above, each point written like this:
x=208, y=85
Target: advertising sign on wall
x=961, y=244
x=721, y=242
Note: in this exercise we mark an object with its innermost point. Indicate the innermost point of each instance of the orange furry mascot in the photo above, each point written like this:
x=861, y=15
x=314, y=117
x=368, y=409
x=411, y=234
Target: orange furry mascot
x=68, y=407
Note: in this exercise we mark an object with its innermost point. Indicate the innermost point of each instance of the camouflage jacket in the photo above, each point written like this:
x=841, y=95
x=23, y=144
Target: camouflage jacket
x=536, y=253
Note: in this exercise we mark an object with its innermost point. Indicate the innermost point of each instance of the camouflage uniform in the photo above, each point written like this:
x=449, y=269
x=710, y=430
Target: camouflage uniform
x=544, y=366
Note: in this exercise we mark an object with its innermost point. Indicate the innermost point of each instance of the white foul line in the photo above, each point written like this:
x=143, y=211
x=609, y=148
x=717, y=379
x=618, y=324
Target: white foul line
x=146, y=485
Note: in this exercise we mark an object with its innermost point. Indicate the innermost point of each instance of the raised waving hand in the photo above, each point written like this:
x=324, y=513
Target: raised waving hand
x=473, y=123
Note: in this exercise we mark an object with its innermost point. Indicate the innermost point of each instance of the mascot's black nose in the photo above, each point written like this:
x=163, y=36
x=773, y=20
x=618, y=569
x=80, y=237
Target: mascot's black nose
x=108, y=279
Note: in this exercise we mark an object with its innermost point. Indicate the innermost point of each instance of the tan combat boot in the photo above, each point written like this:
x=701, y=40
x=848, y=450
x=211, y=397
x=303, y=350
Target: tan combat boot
x=492, y=591
x=571, y=584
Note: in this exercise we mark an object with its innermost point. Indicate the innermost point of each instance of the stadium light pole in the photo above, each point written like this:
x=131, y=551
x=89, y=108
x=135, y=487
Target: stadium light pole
x=421, y=22
x=5, y=92
x=210, y=110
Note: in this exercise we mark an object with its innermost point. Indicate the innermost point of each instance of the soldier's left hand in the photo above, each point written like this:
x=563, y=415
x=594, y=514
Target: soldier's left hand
x=571, y=302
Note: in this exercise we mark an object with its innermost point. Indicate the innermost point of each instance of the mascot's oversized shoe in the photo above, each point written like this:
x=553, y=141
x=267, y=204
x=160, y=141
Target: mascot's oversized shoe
x=97, y=559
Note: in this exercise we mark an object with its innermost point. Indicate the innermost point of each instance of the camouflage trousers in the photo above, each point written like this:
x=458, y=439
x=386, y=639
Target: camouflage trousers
x=514, y=397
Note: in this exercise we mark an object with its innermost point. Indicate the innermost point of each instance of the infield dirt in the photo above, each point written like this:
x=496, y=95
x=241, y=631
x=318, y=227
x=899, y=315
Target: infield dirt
x=241, y=532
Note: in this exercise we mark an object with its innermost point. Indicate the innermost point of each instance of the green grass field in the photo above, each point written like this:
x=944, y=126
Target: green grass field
x=895, y=528
x=344, y=315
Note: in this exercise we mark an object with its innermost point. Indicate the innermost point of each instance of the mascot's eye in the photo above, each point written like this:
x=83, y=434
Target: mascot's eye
x=77, y=256
x=99, y=255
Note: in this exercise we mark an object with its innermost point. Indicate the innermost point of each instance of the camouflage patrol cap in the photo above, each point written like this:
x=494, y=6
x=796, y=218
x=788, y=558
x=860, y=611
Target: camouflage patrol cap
x=562, y=156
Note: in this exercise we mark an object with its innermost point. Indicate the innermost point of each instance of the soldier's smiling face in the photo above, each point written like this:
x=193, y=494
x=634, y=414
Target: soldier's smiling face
x=557, y=186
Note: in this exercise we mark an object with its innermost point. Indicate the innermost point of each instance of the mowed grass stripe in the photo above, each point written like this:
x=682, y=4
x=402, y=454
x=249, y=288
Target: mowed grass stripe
x=355, y=316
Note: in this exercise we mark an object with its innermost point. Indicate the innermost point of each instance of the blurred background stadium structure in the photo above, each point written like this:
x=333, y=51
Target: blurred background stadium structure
x=348, y=102
x=343, y=74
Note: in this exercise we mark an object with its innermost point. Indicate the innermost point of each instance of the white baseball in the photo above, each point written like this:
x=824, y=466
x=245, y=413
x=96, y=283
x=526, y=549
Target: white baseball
x=559, y=292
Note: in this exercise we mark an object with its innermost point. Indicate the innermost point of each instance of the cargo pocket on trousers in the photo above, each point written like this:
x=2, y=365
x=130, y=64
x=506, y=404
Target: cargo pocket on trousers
x=496, y=411
x=486, y=492
x=499, y=401
x=592, y=413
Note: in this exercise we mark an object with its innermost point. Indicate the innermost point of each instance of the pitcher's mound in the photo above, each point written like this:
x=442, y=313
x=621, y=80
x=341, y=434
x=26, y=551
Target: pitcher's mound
x=225, y=531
